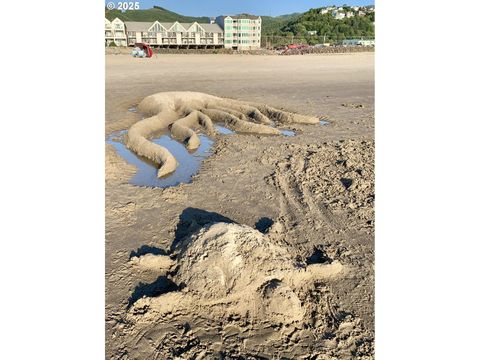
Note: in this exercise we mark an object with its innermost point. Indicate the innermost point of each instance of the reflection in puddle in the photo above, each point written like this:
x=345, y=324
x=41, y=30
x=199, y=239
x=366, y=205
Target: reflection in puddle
x=223, y=130
x=324, y=122
x=188, y=163
x=288, y=132
x=133, y=109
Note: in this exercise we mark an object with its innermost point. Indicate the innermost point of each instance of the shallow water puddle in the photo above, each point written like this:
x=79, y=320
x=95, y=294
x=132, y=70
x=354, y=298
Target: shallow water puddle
x=224, y=130
x=133, y=109
x=188, y=163
x=288, y=132
x=324, y=122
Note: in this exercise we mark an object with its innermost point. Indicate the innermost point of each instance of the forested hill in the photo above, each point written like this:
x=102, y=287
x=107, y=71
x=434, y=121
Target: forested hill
x=150, y=15
x=270, y=24
x=326, y=25
x=273, y=24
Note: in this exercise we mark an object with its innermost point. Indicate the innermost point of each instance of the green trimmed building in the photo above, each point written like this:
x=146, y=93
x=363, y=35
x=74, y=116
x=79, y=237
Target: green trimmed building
x=241, y=32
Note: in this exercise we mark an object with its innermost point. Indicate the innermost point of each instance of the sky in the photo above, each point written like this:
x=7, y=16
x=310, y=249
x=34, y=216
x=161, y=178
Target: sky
x=256, y=7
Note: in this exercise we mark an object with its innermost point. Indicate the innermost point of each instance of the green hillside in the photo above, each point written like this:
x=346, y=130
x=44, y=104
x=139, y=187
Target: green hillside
x=273, y=25
x=327, y=26
x=150, y=15
x=270, y=24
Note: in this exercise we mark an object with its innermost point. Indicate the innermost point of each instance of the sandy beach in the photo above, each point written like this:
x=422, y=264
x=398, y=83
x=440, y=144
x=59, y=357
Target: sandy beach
x=310, y=197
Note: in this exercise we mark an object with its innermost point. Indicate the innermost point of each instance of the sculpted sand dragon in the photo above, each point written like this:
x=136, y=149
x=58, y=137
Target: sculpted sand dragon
x=242, y=291
x=186, y=112
x=237, y=267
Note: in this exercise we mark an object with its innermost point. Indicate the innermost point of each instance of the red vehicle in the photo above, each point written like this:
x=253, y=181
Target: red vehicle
x=296, y=46
x=142, y=50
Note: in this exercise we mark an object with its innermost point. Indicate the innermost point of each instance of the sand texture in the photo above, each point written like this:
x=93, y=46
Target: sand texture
x=268, y=252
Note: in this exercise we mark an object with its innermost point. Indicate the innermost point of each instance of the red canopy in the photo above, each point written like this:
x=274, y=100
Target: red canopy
x=145, y=47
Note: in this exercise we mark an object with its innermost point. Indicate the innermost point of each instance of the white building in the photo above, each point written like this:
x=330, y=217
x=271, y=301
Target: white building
x=178, y=35
x=358, y=42
x=338, y=15
x=241, y=32
x=324, y=11
x=115, y=32
x=349, y=14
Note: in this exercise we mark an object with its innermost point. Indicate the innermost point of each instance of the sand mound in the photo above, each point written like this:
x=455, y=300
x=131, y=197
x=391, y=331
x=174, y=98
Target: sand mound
x=237, y=291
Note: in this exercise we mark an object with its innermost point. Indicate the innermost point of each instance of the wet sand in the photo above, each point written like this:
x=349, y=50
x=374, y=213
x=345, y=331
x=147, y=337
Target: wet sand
x=317, y=184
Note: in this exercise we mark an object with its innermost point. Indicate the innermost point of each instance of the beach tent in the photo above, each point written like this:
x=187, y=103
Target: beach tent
x=145, y=48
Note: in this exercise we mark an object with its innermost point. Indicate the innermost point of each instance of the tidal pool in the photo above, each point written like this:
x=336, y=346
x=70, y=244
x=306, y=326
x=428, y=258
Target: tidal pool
x=188, y=162
x=146, y=175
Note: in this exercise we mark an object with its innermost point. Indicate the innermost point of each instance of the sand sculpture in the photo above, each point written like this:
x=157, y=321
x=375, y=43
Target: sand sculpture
x=185, y=113
x=229, y=270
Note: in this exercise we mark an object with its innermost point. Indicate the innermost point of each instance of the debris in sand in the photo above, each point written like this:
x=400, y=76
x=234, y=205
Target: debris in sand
x=353, y=105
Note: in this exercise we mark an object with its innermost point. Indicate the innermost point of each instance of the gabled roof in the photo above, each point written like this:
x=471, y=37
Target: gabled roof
x=188, y=26
x=137, y=25
x=215, y=28
x=167, y=25
x=146, y=26
x=159, y=23
x=170, y=25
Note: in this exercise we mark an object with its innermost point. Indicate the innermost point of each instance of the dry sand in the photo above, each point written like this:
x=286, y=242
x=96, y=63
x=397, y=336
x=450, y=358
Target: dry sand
x=311, y=196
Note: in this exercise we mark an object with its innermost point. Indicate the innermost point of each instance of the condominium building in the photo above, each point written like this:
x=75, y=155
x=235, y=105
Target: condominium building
x=177, y=35
x=242, y=32
x=115, y=32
